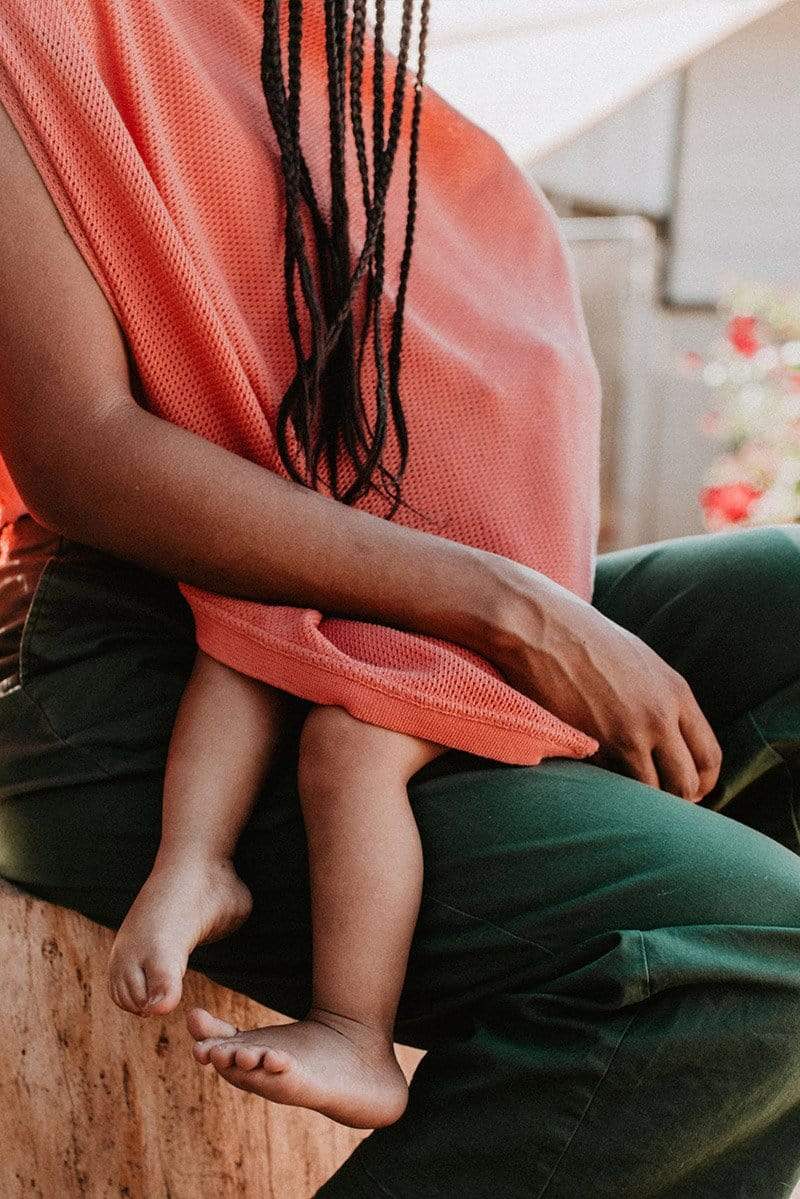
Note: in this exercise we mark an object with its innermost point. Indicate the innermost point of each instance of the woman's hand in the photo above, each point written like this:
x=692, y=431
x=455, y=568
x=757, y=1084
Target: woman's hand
x=604, y=680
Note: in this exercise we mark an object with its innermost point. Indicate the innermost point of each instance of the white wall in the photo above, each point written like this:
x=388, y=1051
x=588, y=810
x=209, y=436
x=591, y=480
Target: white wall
x=626, y=163
x=737, y=205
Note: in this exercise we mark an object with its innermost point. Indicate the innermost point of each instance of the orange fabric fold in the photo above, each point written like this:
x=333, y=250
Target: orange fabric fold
x=148, y=125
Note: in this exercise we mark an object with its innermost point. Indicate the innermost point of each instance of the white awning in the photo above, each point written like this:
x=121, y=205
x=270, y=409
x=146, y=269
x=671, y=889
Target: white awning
x=535, y=73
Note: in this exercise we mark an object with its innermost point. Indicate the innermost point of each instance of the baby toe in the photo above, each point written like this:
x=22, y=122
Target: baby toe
x=203, y=1026
x=248, y=1057
x=201, y=1052
x=275, y=1061
x=222, y=1055
x=132, y=989
x=161, y=1000
x=161, y=983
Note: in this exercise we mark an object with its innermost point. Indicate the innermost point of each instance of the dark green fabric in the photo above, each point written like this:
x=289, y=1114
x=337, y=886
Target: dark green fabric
x=607, y=977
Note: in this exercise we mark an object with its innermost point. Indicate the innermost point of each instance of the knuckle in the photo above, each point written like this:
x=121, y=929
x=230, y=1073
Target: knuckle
x=690, y=787
x=663, y=719
x=710, y=758
x=640, y=765
x=683, y=695
x=680, y=776
x=680, y=684
x=630, y=744
x=686, y=703
x=713, y=760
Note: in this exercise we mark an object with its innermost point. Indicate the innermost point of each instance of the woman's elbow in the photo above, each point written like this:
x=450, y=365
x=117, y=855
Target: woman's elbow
x=48, y=506
x=53, y=489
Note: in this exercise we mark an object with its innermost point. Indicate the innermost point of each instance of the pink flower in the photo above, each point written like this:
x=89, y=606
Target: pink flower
x=727, y=505
x=711, y=424
x=742, y=335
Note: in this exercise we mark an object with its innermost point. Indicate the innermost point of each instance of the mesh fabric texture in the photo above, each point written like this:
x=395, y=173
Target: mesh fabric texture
x=148, y=125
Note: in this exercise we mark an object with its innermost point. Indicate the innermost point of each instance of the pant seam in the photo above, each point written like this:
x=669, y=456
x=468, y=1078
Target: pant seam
x=636, y=1014
x=27, y=678
x=490, y=924
x=589, y=1103
x=762, y=736
x=379, y=1186
x=784, y=765
x=32, y=618
x=643, y=947
x=793, y=809
x=39, y=713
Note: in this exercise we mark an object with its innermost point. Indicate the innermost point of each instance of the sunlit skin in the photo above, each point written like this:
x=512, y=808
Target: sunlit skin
x=365, y=865
x=223, y=523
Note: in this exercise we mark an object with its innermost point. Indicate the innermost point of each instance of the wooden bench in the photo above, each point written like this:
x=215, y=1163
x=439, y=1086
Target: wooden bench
x=94, y=1102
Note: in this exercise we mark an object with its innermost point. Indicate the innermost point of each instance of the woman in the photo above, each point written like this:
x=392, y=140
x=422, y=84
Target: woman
x=604, y=974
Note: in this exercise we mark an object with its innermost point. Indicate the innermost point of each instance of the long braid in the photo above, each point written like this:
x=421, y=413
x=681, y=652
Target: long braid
x=281, y=110
x=340, y=362
x=357, y=122
x=374, y=280
x=378, y=264
x=376, y=216
x=405, y=266
x=324, y=408
x=376, y=270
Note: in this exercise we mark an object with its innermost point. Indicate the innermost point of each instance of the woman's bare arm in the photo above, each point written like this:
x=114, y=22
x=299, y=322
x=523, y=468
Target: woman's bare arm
x=90, y=463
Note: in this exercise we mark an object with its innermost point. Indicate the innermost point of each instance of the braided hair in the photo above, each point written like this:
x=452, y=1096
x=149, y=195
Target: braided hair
x=323, y=410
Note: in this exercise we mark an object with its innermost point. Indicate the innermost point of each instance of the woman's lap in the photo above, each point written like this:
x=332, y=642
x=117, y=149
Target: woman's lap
x=522, y=864
x=582, y=936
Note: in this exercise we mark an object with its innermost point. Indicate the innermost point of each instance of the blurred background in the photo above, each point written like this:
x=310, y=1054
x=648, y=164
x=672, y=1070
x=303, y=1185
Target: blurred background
x=666, y=134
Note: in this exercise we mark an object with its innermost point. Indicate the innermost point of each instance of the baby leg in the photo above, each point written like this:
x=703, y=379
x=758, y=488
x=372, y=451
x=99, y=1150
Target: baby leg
x=222, y=743
x=365, y=863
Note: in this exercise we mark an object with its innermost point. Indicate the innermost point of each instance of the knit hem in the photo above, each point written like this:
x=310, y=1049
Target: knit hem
x=234, y=646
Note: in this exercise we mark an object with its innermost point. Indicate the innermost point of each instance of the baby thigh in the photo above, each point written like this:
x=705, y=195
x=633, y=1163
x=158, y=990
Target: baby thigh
x=339, y=751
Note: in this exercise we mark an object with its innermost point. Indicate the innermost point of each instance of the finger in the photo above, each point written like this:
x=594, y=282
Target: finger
x=676, y=768
x=705, y=750
x=645, y=771
x=635, y=764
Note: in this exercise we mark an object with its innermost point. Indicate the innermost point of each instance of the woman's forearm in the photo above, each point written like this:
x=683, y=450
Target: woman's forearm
x=139, y=487
x=154, y=494
x=94, y=465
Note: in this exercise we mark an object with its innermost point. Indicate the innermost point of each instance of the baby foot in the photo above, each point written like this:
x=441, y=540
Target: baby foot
x=326, y=1062
x=181, y=905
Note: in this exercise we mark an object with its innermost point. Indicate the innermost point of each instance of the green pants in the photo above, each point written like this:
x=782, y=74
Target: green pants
x=607, y=977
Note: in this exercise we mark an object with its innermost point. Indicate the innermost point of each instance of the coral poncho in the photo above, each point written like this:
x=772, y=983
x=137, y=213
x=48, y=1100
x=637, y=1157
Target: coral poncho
x=148, y=125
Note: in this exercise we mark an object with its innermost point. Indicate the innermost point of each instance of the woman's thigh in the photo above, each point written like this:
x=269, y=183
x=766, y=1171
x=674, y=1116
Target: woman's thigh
x=723, y=611
x=524, y=867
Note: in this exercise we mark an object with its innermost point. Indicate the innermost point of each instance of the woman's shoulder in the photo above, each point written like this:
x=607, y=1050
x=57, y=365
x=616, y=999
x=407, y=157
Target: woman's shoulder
x=60, y=343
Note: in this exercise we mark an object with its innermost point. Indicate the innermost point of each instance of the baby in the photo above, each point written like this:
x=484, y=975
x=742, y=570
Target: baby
x=365, y=865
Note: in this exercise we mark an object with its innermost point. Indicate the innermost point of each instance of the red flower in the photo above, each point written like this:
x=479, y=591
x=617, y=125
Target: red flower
x=742, y=335
x=729, y=504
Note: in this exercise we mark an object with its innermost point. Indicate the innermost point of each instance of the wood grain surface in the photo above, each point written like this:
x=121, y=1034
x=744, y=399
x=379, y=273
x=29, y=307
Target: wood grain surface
x=94, y=1102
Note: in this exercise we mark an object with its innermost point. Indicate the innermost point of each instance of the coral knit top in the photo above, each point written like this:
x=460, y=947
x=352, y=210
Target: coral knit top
x=148, y=125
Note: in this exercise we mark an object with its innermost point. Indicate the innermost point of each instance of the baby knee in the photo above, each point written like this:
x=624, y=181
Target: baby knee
x=332, y=741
